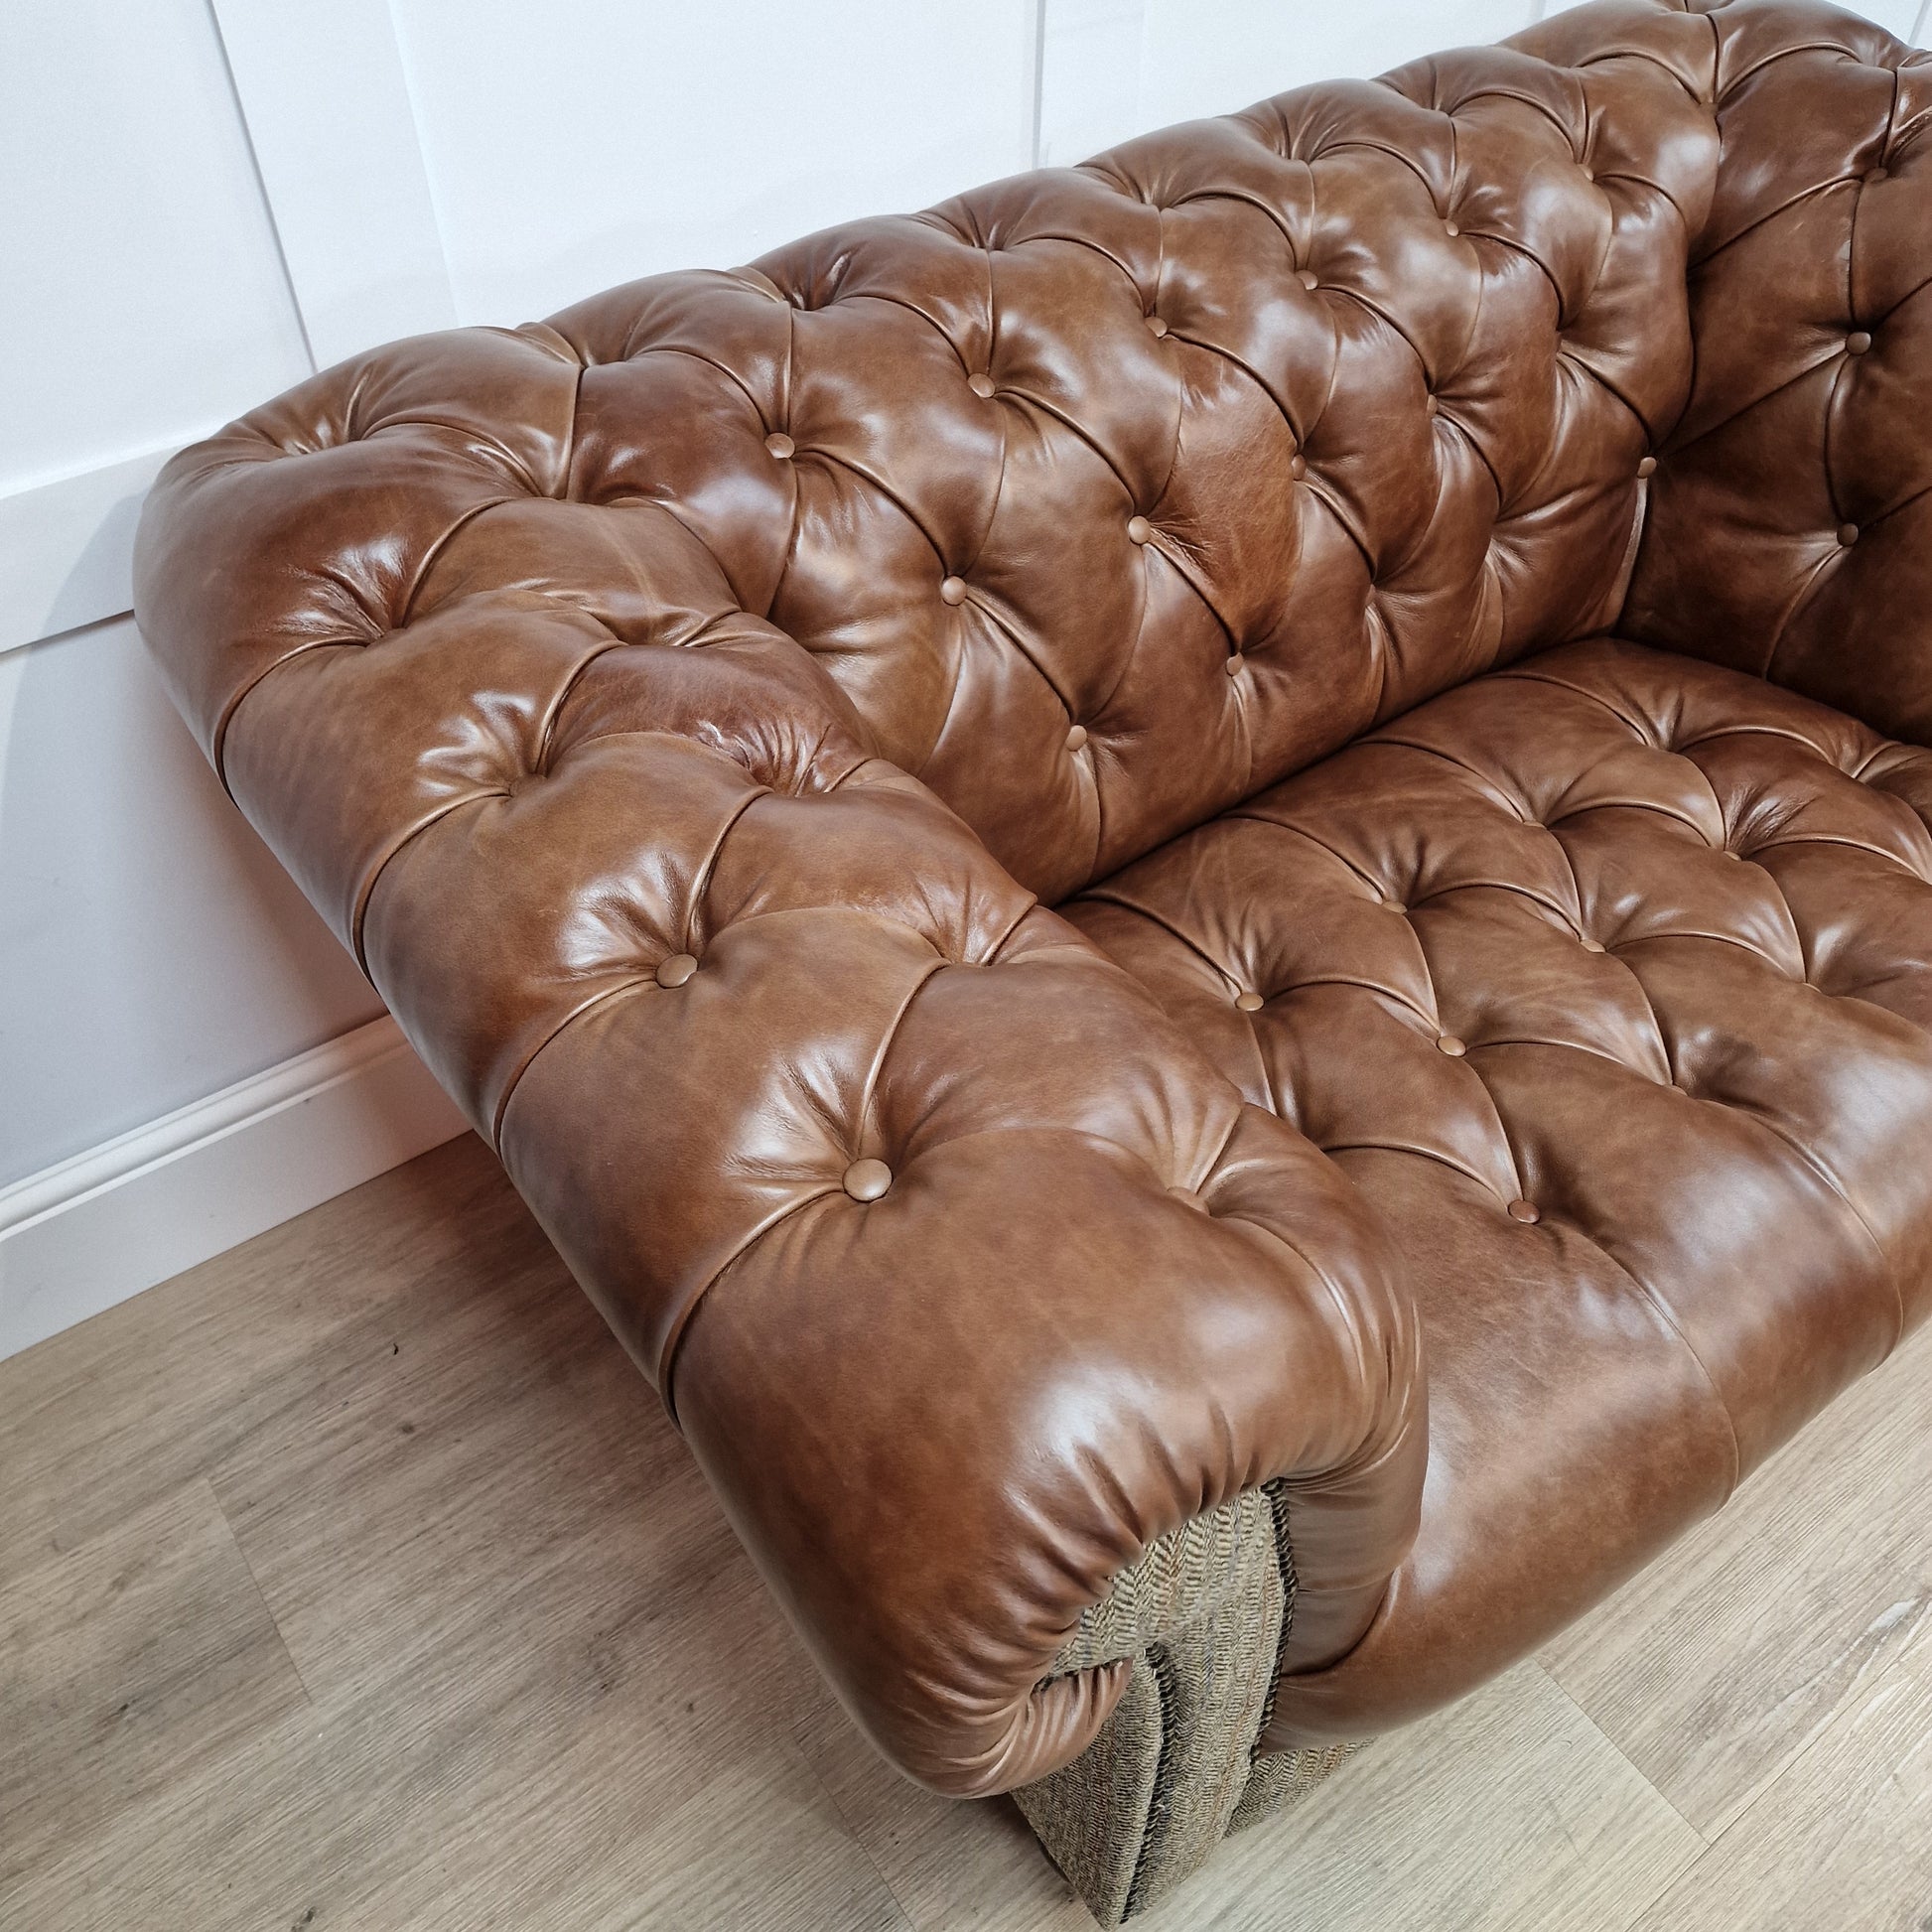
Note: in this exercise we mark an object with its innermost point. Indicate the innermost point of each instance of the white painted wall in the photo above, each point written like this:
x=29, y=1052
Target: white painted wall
x=206, y=199
x=695, y=134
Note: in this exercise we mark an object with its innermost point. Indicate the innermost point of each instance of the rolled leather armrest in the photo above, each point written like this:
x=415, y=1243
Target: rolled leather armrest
x=965, y=1277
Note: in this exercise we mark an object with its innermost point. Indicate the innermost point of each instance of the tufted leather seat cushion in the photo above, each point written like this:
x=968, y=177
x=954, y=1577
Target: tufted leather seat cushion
x=1608, y=980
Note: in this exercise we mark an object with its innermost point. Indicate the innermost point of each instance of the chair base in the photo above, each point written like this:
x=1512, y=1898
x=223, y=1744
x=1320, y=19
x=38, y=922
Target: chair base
x=1176, y=1768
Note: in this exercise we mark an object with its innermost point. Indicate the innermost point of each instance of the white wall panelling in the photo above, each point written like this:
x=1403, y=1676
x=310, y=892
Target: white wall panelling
x=89, y=1232
x=329, y=116
x=151, y=949
x=207, y=199
x=1090, y=77
x=653, y=134
x=66, y=548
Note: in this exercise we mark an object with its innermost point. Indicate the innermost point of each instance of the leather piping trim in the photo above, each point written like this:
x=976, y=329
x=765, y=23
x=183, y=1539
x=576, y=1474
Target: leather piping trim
x=1247, y=368
x=635, y=352
x=1817, y=191
x=408, y=612
x=1775, y=844
x=833, y=460
x=1677, y=445
x=218, y=739
x=373, y=876
x=1105, y=895
x=1668, y=1316
x=1408, y=1147
x=1736, y=81
x=1539, y=1044
x=680, y=1322
x=1087, y=243
x=1338, y=1300
x=1643, y=1288
x=869, y=1086
x=1242, y=198
x=1066, y=422
x=1248, y=814
x=1639, y=726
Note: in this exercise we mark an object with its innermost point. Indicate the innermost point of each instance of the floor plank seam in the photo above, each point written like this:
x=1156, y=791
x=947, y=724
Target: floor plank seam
x=803, y=1760
x=1555, y=1684
x=261, y=1596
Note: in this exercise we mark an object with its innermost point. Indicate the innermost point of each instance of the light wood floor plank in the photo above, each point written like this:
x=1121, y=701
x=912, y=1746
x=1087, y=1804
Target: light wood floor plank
x=1842, y=1839
x=540, y=1686
x=99, y=1421
x=1712, y=1668
x=1510, y=1813
x=126, y=1665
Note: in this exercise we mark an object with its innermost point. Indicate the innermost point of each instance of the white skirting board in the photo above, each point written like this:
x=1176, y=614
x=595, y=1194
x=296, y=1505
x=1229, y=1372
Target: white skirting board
x=79, y=1237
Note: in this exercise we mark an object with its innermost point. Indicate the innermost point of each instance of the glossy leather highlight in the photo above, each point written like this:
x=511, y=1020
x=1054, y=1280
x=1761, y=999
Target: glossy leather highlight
x=688, y=709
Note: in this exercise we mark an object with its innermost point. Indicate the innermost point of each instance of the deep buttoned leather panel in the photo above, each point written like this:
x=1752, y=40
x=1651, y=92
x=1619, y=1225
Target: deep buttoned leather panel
x=681, y=706
x=1789, y=526
x=1110, y=494
x=1640, y=949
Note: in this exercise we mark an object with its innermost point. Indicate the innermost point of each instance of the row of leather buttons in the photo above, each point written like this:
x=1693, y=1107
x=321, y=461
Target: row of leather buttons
x=783, y=448
x=952, y=590
x=1139, y=529
x=1249, y=1001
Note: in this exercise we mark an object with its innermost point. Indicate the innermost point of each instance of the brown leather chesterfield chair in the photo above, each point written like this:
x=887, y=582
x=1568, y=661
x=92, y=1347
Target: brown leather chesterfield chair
x=1199, y=889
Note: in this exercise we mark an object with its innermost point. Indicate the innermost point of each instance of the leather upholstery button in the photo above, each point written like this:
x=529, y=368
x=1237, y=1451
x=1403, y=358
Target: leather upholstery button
x=1873, y=176
x=866, y=1180
x=1139, y=529
x=1236, y=664
x=1449, y=1044
x=1156, y=326
x=1298, y=467
x=980, y=384
x=1308, y=278
x=1449, y=228
x=1249, y=1001
x=1649, y=466
x=1076, y=738
x=1393, y=906
x=1524, y=1211
x=1592, y=945
x=675, y=970
x=1431, y=405
x=1857, y=341
x=952, y=590
x=1588, y=172
x=1848, y=534
x=781, y=445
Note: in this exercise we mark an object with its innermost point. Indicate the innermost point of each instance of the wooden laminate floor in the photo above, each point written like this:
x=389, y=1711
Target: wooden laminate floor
x=355, y=1579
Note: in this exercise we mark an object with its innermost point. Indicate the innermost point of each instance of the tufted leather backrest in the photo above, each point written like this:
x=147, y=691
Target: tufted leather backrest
x=1111, y=494
x=1789, y=531
x=1108, y=495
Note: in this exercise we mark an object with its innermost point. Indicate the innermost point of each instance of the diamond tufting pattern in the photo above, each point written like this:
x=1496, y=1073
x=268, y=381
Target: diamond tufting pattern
x=689, y=709
x=1608, y=980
